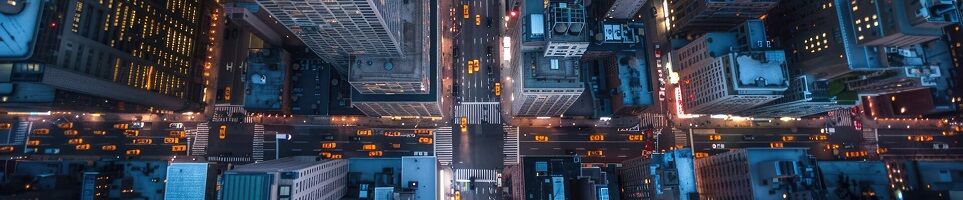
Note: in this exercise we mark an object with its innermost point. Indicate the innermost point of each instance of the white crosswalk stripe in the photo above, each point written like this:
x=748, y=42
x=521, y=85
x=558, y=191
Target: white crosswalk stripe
x=223, y=113
x=510, y=149
x=842, y=117
x=654, y=119
x=18, y=134
x=258, y=144
x=443, y=145
x=228, y=159
x=481, y=175
x=200, y=135
x=479, y=112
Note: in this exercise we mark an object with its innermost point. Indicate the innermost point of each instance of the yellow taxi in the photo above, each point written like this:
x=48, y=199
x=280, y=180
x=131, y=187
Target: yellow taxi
x=364, y=132
x=227, y=93
x=424, y=140
x=465, y=10
x=33, y=142
x=636, y=138
x=471, y=66
x=132, y=152
x=100, y=133
x=541, y=138
x=787, y=138
x=179, y=148
x=819, y=137
x=325, y=154
x=6, y=149
x=222, y=132
x=392, y=133
x=336, y=156
x=369, y=147
x=477, y=65
x=596, y=137
x=108, y=147
x=456, y=196
x=75, y=141
x=5, y=125
x=178, y=134
x=132, y=133
x=776, y=145
x=71, y=132
x=66, y=125
x=920, y=138
x=82, y=147
x=171, y=140
x=595, y=153
x=463, y=122
x=701, y=154
x=423, y=131
x=375, y=154
x=41, y=131
x=477, y=20
x=329, y=145
x=498, y=89
x=120, y=126
x=142, y=141
x=715, y=137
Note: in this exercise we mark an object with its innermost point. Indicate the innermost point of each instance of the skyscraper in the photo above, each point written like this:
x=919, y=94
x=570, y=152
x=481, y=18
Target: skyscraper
x=757, y=173
x=300, y=177
x=130, y=55
x=661, y=176
x=340, y=30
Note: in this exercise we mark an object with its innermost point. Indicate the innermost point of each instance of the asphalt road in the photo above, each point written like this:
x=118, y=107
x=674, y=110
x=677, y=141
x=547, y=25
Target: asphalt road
x=57, y=142
x=614, y=144
x=308, y=140
x=473, y=42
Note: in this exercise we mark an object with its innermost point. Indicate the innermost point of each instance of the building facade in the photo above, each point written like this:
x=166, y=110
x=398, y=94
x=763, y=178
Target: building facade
x=757, y=173
x=805, y=97
x=661, y=176
x=710, y=15
x=291, y=178
x=901, y=23
x=622, y=9
x=131, y=55
x=339, y=30
x=544, y=177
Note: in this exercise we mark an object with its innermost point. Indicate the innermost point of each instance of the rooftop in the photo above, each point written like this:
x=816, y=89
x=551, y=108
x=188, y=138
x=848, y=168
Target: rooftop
x=760, y=70
x=281, y=165
x=20, y=26
x=266, y=79
x=634, y=80
x=550, y=72
x=413, y=67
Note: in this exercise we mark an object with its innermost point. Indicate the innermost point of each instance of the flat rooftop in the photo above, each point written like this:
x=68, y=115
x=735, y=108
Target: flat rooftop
x=760, y=70
x=412, y=67
x=265, y=79
x=634, y=80
x=550, y=72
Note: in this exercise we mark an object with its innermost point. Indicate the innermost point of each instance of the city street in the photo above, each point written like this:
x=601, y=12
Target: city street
x=614, y=145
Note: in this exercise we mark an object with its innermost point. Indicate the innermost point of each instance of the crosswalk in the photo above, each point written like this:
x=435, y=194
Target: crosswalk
x=228, y=159
x=681, y=138
x=200, y=135
x=223, y=113
x=870, y=140
x=842, y=117
x=510, y=149
x=654, y=119
x=479, y=112
x=443, y=145
x=481, y=175
x=17, y=135
x=258, y=143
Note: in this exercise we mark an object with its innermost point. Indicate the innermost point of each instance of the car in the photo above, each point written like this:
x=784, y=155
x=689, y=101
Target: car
x=719, y=146
x=488, y=22
x=100, y=133
x=456, y=196
x=920, y=138
x=396, y=145
x=65, y=125
x=369, y=147
x=748, y=137
x=471, y=65
x=142, y=141
x=465, y=11
x=787, y=138
x=855, y=154
x=325, y=154
x=420, y=153
x=423, y=131
x=498, y=89
x=33, y=142
x=71, y=132
x=5, y=125
x=375, y=153
x=541, y=138
x=222, y=132
x=477, y=20
x=179, y=148
x=176, y=125
x=776, y=145
x=121, y=126
x=363, y=132
x=832, y=146
x=328, y=137
x=425, y=140
x=171, y=140
x=941, y=146
x=819, y=137
x=6, y=149
x=329, y=145
x=392, y=133
x=597, y=137
x=108, y=147
x=335, y=156
x=227, y=93
x=595, y=153
x=132, y=152
x=51, y=151
x=82, y=147
x=477, y=65
x=177, y=134
x=75, y=141
x=488, y=51
x=715, y=137
x=355, y=138
x=137, y=125
x=636, y=137
x=40, y=131
x=132, y=133
x=463, y=122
